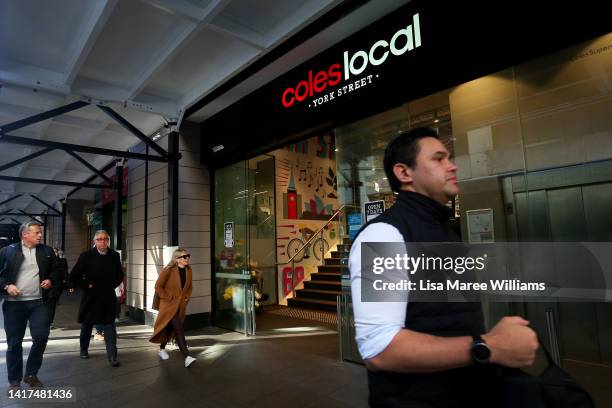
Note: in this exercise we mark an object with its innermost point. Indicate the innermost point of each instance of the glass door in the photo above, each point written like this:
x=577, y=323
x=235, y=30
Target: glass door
x=245, y=244
x=262, y=229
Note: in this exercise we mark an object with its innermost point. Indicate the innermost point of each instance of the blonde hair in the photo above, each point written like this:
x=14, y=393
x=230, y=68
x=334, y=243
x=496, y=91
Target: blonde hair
x=175, y=254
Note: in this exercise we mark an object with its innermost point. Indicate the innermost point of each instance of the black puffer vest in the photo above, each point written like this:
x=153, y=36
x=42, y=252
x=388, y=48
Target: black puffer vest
x=421, y=219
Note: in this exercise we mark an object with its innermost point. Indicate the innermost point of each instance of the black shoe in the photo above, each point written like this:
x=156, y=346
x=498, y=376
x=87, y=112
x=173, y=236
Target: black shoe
x=84, y=355
x=114, y=362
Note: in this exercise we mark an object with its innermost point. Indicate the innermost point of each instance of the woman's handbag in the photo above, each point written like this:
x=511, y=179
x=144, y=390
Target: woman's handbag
x=554, y=387
x=155, y=305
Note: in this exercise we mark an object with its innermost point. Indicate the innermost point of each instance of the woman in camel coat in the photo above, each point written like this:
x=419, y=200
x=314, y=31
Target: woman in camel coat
x=174, y=289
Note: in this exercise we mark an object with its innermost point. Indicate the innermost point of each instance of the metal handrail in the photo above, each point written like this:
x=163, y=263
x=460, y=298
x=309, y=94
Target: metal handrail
x=319, y=231
x=338, y=211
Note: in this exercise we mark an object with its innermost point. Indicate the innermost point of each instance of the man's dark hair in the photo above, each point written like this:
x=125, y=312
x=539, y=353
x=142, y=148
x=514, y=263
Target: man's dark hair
x=405, y=149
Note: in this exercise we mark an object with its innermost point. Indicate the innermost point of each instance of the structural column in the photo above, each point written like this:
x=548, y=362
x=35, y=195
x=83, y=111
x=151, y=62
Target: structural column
x=118, y=205
x=64, y=209
x=173, y=188
x=46, y=228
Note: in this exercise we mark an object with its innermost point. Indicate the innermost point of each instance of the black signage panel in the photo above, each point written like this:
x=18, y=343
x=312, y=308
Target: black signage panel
x=419, y=49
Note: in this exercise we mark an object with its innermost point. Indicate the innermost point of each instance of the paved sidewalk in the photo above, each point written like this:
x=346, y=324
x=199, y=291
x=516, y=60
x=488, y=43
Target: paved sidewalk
x=289, y=362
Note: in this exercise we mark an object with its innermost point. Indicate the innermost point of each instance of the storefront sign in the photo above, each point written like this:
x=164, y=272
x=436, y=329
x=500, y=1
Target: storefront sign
x=108, y=194
x=343, y=78
x=373, y=209
x=229, y=234
x=418, y=49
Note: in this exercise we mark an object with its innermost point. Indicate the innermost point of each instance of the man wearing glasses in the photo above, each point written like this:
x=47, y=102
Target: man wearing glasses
x=98, y=272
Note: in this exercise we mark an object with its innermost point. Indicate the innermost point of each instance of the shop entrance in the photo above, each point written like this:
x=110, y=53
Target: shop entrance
x=280, y=241
x=245, y=242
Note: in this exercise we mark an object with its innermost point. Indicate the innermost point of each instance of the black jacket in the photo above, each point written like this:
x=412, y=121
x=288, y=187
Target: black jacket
x=104, y=273
x=62, y=277
x=48, y=266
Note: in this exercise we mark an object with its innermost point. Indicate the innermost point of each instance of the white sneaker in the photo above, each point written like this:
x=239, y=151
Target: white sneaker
x=163, y=354
x=189, y=361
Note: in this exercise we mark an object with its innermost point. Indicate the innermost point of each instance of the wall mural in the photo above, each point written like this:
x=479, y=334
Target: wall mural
x=307, y=196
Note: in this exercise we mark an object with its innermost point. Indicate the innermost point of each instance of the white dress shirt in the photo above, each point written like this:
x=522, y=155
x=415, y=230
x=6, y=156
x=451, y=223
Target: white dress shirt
x=376, y=323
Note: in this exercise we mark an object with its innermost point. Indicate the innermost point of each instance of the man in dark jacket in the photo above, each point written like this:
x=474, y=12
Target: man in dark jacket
x=98, y=272
x=27, y=271
x=56, y=291
x=428, y=353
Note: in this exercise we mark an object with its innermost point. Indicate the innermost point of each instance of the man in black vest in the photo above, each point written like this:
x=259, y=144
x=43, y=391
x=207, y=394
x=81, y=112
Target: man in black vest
x=28, y=270
x=426, y=354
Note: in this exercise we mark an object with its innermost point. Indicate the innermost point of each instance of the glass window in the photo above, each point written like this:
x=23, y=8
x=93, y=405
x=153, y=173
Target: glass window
x=533, y=145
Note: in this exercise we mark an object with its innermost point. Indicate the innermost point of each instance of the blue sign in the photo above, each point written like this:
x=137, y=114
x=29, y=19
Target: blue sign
x=354, y=225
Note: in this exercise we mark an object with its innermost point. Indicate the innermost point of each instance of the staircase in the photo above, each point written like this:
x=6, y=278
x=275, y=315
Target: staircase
x=321, y=290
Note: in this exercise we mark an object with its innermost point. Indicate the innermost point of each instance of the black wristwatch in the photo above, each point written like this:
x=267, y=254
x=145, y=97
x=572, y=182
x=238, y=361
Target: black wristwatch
x=480, y=352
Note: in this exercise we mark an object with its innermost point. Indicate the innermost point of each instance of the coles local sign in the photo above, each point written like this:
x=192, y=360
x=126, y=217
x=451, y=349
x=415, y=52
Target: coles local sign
x=340, y=79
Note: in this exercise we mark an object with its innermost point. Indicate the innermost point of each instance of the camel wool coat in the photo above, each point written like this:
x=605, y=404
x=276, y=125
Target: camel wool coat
x=173, y=300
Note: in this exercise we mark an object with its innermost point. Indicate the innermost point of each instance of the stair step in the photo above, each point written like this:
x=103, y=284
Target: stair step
x=323, y=285
x=313, y=303
x=317, y=294
x=339, y=254
x=333, y=269
x=337, y=277
x=346, y=241
x=344, y=248
x=336, y=261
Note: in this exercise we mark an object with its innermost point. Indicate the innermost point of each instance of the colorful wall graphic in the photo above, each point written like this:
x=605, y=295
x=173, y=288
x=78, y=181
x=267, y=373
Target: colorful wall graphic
x=306, y=197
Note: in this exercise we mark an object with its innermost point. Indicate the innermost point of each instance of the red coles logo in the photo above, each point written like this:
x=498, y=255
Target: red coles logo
x=316, y=83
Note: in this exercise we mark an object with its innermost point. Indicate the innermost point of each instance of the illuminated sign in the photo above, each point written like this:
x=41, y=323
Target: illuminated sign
x=345, y=76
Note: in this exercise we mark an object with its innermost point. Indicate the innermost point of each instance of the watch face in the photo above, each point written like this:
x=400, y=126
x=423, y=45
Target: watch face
x=481, y=352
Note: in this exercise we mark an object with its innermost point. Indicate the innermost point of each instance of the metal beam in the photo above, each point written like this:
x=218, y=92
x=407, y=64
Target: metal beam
x=42, y=202
x=79, y=148
x=51, y=182
x=29, y=215
x=42, y=81
x=99, y=15
x=108, y=166
x=181, y=8
x=15, y=221
x=243, y=33
x=5, y=212
x=133, y=130
x=10, y=199
x=199, y=18
x=90, y=167
x=9, y=127
x=25, y=159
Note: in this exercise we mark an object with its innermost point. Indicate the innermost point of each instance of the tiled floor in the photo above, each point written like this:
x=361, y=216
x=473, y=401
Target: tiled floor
x=299, y=367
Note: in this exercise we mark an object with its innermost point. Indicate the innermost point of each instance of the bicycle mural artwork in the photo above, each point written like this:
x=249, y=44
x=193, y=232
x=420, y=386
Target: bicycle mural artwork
x=319, y=246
